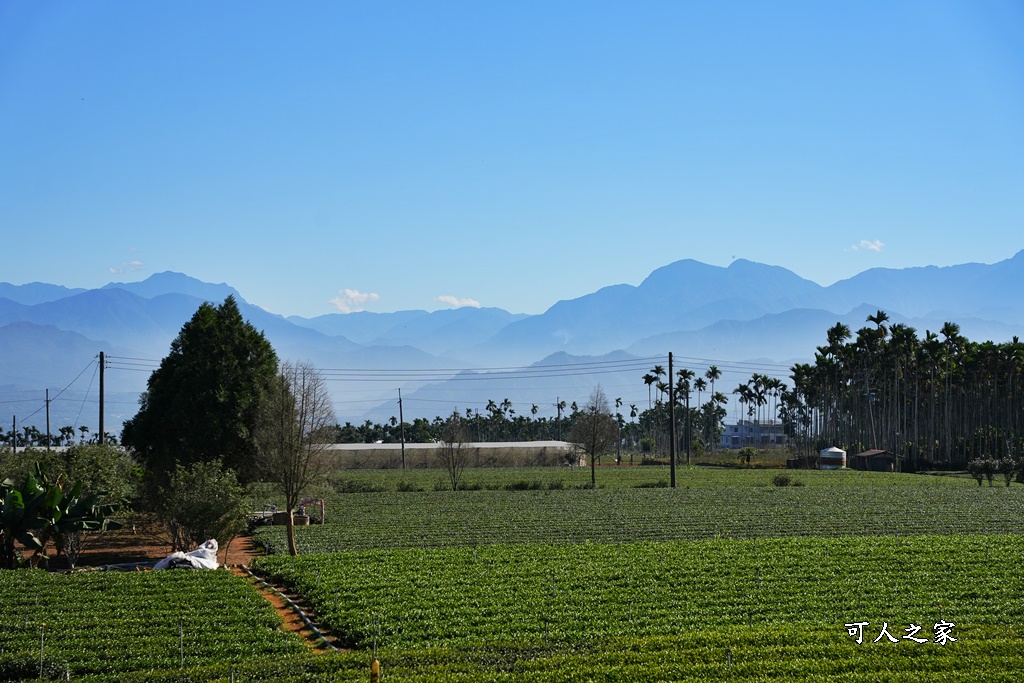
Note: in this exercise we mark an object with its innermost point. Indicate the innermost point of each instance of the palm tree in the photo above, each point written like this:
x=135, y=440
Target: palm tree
x=632, y=429
x=618, y=421
x=649, y=379
x=712, y=374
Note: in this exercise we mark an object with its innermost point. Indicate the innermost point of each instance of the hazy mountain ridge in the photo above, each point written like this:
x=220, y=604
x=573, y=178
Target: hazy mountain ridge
x=743, y=311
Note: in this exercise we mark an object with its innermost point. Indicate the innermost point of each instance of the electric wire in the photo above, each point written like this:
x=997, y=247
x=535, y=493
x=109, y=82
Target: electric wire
x=82, y=406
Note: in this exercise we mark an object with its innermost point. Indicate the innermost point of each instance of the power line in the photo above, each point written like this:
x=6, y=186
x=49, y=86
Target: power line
x=82, y=406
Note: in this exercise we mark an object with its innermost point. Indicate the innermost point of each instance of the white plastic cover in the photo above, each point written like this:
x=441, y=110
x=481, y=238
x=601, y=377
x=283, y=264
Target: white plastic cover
x=203, y=557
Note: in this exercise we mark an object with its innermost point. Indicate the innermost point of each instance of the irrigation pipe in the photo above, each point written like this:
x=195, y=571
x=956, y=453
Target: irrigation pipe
x=321, y=640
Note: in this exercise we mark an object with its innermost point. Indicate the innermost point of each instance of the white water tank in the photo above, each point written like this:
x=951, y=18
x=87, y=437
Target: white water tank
x=831, y=458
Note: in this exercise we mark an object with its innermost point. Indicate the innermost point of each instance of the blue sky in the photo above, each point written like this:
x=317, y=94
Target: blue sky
x=326, y=156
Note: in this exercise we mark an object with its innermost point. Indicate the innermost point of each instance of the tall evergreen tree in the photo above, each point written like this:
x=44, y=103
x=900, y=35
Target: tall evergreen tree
x=204, y=400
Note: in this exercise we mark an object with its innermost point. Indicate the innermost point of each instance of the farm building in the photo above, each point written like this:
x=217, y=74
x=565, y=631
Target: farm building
x=878, y=461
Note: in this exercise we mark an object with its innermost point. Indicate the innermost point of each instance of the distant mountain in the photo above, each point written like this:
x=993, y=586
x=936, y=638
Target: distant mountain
x=704, y=313
x=170, y=282
x=984, y=291
x=443, y=332
x=34, y=358
x=35, y=292
x=687, y=296
x=793, y=335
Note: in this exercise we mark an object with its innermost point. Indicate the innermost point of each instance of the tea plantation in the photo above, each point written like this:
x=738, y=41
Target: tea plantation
x=847, y=577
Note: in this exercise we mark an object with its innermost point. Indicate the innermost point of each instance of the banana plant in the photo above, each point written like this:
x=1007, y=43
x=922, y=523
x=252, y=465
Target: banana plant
x=22, y=518
x=40, y=511
x=73, y=514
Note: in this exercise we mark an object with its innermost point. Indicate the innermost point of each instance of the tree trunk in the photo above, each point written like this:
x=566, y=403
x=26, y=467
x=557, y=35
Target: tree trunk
x=293, y=550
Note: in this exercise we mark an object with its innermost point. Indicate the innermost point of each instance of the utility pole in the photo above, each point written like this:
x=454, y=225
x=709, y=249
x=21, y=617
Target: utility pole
x=687, y=423
x=672, y=421
x=558, y=419
x=103, y=364
x=14, y=432
x=47, y=420
x=401, y=423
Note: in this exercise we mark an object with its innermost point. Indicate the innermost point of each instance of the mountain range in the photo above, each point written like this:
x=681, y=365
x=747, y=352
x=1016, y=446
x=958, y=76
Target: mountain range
x=746, y=312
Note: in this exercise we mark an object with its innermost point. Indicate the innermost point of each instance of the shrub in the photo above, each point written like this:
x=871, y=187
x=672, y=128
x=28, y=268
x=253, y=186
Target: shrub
x=524, y=485
x=200, y=503
x=355, y=486
x=1006, y=467
x=976, y=469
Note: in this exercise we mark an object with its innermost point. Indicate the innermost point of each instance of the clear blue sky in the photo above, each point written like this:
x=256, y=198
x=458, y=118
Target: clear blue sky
x=512, y=154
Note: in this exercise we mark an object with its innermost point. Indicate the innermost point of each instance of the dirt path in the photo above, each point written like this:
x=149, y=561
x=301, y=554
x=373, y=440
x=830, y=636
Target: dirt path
x=135, y=543
x=291, y=610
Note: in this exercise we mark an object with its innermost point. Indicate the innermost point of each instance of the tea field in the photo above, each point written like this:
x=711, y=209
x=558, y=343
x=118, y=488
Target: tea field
x=108, y=624
x=621, y=515
x=576, y=594
x=682, y=610
x=530, y=577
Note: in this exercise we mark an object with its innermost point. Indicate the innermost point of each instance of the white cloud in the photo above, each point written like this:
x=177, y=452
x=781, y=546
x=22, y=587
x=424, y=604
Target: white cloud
x=126, y=267
x=458, y=302
x=352, y=300
x=868, y=245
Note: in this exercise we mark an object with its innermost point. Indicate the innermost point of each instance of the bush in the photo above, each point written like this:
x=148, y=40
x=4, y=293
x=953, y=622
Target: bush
x=976, y=470
x=200, y=503
x=524, y=485
x=782, y=480
x=99, y=468
x=1006, y=467
x=984, y=468
x=746, y=454
x=355, y=486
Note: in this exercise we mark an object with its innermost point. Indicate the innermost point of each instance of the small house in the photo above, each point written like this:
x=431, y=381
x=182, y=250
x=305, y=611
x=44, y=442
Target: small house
x=878, y=461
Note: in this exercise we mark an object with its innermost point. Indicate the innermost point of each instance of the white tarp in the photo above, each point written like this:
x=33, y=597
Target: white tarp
x=203, y=557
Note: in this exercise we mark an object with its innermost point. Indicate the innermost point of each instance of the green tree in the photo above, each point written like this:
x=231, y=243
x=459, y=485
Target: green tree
x=204, y=400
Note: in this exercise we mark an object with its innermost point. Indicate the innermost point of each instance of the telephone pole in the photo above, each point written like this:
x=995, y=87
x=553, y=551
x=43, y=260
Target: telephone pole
x=672, y=421
x=102, y=366
x=401, y=425
x=47, y=420
x=558, y=418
